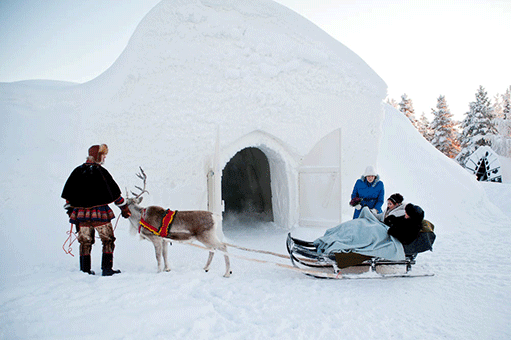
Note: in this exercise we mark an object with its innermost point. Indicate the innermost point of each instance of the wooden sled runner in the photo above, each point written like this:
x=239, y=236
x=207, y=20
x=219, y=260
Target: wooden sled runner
x=304, y=255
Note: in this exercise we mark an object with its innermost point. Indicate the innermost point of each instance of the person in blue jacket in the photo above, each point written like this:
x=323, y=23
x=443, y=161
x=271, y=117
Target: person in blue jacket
x=368, y=192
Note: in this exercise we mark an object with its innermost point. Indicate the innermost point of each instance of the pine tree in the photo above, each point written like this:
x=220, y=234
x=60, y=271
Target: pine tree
x=498, y=111
x=478, y=126
x=506, y=113
x=424, y=127
x=506, y=104
x=502, y=142
x=406, y=107
x=443, y=129
x=392, y=102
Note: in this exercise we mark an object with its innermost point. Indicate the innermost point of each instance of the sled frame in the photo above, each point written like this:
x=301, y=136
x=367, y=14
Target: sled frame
x=304, y=255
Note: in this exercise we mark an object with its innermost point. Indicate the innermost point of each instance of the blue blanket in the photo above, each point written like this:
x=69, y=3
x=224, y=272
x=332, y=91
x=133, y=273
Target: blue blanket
x=364, y=235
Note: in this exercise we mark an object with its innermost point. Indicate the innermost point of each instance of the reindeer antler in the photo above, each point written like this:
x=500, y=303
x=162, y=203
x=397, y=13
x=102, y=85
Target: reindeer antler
x=143, y=177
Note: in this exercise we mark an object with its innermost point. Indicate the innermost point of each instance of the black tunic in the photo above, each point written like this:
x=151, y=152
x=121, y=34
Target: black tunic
x=404, y=229
x=90, y=185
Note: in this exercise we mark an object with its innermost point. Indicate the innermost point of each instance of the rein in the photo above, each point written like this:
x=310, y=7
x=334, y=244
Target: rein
x=287, y=266
x=68, y=250
x=70, y=235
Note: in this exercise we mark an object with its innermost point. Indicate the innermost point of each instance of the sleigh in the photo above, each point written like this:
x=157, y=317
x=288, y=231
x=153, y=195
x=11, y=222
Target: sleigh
x=304, y=255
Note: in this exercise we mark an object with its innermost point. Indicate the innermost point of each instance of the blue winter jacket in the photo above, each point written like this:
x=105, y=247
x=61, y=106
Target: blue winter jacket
x=372, y=194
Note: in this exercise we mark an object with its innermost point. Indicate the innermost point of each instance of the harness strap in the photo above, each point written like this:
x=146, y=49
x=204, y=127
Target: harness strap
x=141, y=218
x=164, y=229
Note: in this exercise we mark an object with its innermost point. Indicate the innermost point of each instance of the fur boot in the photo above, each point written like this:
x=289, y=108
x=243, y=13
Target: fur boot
x=85, y=264
x=107, y=264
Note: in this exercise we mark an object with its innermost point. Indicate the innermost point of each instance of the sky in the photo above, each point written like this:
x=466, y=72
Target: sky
x=422, y=48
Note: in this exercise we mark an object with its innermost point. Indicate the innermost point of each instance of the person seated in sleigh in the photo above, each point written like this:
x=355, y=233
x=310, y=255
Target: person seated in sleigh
x=369, y=235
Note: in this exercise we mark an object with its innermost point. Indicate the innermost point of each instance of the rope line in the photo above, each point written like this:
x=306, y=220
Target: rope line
x=287, y=266
x=69, y=239
x=68, y=250
x=257, y=251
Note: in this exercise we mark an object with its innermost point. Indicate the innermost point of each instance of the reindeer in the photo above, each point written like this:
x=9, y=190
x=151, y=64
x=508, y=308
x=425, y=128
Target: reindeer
x=187, y=225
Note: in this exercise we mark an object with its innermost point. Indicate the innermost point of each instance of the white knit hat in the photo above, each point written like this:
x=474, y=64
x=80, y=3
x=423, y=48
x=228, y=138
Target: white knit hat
x=370, y=171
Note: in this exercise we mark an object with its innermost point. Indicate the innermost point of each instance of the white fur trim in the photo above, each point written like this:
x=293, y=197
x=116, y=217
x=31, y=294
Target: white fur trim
x=103, y=149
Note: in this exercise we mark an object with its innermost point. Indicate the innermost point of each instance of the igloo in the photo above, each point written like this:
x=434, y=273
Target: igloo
x=258, y=110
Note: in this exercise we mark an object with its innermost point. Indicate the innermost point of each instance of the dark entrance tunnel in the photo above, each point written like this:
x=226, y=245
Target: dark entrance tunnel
x=246, y=188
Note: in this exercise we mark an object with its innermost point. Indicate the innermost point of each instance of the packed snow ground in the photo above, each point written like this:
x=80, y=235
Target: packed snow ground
x=43, y=295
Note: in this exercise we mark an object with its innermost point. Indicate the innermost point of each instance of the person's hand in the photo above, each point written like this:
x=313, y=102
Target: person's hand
x=125, y=211
x=374, y=211
x=69, y=208
x=358, y=207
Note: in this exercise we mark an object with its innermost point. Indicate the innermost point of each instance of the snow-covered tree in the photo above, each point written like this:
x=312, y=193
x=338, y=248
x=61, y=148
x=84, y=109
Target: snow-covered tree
x=424, y=127
x=444, y=129
x=498, y=111
x=392, y=102
x=506, y=104
x=406, y=106
x=502, y=142
x=478, y=127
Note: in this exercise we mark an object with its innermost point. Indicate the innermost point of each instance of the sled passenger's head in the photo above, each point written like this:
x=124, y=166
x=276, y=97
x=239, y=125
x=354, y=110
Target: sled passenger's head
x=370, y=174
x=394, y=200
x=414, y=212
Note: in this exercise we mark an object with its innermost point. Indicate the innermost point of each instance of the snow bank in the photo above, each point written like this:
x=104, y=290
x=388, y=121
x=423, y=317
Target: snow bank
x=411, y=166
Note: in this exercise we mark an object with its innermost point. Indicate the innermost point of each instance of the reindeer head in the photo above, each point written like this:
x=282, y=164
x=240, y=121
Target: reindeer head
x=133, y=202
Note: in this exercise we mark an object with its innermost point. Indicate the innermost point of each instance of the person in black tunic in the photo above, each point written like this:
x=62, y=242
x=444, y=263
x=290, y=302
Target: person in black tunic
x=88, y=191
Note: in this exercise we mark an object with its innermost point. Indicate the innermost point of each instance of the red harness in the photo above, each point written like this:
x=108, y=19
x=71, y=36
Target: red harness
x=164, y=229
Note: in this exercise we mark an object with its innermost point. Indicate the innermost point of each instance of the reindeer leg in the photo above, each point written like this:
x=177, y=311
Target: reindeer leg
x=228, y=270
x=165, y=247
x=210, y=258
x=157, y=251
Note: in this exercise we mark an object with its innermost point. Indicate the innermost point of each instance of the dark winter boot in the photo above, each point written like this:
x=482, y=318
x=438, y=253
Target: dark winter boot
x=107, y=263
x=85, y=264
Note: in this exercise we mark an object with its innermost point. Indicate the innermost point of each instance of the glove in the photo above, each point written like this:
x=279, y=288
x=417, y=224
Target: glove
x=69, y=209
x=125, y=211
x=358, y=207
x=355, y=201
x=374, y=211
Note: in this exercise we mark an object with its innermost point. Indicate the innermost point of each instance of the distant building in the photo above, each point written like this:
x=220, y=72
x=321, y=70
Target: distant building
x=485, y=164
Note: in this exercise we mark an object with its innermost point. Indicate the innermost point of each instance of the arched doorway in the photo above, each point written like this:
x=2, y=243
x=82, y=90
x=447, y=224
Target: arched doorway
x=246, y=186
